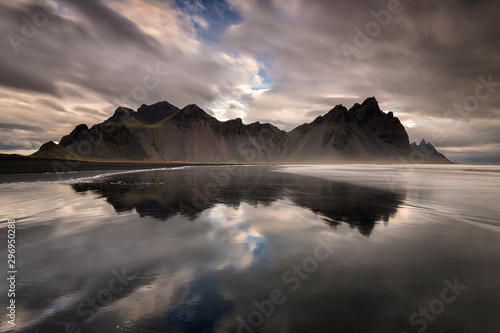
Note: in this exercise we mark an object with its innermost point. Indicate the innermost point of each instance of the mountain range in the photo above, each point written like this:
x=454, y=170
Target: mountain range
x=163, y=132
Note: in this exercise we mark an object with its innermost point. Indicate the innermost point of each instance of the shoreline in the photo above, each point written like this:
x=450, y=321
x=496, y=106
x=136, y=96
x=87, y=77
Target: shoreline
x=24, y=164
x=20, y=165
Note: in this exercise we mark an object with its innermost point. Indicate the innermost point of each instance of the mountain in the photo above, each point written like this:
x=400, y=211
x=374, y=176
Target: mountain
x=146, y=114
x=362, y=133
x=163, y=132
x=425, y=152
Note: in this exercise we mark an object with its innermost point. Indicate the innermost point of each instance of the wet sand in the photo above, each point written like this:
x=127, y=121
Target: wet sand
x=318, y=248
x=24, y=164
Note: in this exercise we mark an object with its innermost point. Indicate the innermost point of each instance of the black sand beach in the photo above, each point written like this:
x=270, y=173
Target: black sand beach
x=22, y=164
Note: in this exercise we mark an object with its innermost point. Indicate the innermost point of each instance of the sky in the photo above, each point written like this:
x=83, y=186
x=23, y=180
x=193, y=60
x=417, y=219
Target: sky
x=434, y=63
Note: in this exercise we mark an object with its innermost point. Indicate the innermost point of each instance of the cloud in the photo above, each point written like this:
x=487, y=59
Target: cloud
x=11, y=127
x=51, y=104
x=270, y=61
x=427, y=59
x=18, y=137
x=93, y=56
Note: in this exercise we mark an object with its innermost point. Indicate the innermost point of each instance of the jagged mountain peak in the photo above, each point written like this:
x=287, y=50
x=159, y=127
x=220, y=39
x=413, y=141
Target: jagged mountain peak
x=370, y=117
x=365, y=111
x=157, y=105
x=121, y=113
x=151, y=114
x=194, y=111
x=371, y=104
x=423, y=143
x=370, y=101
x=425, y=152
x=77, y=134
x=337, y=109
x=192, y=108
x=338, y=113
x=147, y=114
x=233, y=122
x=190, y=114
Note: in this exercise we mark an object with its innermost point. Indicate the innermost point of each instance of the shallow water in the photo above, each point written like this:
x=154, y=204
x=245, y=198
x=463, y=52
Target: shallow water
x=364, y=248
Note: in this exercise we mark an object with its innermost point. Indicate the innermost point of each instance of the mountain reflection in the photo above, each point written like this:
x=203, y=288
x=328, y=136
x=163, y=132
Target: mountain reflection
x=189, y=191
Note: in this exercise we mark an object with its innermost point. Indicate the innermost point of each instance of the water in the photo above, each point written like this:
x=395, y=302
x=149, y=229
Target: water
x=365, y=248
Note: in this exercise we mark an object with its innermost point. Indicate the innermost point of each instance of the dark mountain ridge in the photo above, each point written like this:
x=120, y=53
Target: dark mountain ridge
x=147, y=114
x=163, y=132
x=427, y=151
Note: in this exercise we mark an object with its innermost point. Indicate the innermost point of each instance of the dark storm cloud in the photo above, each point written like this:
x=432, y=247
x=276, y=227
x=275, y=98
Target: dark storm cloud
x=426, y=59
x=88, y=57
x=51, y=104
x=429, y=47
x=114, y=24
x=19, y=136
x=54, y=52
x=6, y=126
x=94, y=47
x=424, y=63
x=92, y=111
x=15, y=77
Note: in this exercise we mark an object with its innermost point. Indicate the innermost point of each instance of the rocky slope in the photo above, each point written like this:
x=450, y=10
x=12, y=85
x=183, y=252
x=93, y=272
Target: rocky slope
x=163, y=132
x=363, y=133
x=425, y=152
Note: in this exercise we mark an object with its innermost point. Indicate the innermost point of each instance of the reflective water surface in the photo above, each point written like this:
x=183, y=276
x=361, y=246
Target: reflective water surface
x=365, y=248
